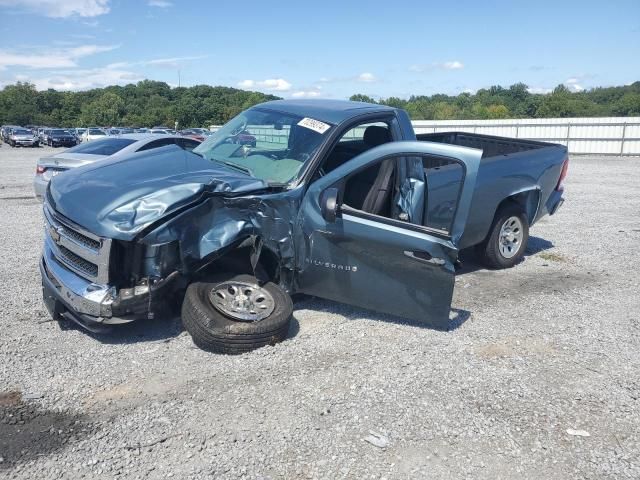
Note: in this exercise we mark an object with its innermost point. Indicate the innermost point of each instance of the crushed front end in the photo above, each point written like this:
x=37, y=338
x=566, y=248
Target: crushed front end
x=82, y=282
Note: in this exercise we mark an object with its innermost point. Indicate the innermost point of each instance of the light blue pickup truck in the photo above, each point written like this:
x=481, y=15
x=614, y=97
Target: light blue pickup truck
x=340, y=200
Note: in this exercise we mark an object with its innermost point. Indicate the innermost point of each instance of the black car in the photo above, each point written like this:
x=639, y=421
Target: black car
x=58, y=137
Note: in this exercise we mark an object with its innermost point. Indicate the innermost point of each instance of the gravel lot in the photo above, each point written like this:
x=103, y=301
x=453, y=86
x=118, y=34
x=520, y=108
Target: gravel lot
x=549, y=347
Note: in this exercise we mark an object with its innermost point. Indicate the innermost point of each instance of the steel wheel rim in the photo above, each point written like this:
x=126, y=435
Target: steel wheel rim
x=242, y=301
x=510, y=238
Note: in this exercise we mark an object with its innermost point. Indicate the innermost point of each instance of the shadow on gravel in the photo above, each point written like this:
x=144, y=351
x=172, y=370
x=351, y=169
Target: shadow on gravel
x=28, y=432
x=457, y=316
x=470, y=263
x=160, y=329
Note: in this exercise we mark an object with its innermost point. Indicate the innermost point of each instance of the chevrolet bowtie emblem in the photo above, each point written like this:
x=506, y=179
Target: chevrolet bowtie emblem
x=55, y=234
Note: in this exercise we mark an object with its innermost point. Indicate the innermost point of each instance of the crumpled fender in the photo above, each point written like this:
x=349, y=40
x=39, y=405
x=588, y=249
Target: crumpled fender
x=218, y=222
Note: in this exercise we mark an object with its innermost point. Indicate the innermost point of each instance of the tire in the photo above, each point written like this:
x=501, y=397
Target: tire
x=497, y=252
x=214, y=331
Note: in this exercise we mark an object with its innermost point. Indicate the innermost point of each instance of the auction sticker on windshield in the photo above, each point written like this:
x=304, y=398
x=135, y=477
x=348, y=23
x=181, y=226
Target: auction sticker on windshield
x=315, y=125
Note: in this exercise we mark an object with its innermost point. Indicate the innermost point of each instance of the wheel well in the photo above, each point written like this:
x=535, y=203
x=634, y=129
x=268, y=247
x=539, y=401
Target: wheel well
x=238, y=260
x=527, y=200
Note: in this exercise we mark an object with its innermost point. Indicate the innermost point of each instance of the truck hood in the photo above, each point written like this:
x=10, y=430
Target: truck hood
x=118, y=198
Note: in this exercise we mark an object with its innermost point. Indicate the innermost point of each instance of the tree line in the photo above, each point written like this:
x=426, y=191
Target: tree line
x=149, y=103
x=517, y=102
x=144, y=104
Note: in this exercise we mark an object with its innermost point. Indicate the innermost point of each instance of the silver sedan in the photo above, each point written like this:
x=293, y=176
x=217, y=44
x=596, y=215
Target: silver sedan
x=108, y=147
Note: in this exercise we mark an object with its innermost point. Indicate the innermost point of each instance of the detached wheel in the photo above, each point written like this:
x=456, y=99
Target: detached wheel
x=507, y=240
x=236, y=313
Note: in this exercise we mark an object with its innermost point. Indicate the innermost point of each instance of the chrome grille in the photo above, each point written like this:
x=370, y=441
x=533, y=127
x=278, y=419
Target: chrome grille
x=76, y=249
x=84, y=240
x=77, y=262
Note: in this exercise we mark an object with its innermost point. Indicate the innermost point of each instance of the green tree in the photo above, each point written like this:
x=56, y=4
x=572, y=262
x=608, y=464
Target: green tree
x=108, y=109
x=359, y=97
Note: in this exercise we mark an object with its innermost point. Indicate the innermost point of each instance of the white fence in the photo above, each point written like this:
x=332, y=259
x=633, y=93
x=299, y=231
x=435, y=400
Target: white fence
x=595, y=136
x=598, y=136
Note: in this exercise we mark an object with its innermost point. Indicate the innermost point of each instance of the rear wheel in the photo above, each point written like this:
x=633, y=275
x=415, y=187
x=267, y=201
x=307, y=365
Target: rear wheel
x=507, y=240
x=236, y=313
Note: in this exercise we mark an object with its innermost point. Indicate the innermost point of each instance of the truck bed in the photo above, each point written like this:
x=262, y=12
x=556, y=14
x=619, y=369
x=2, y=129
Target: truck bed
x=491, y=146
x=509, y=166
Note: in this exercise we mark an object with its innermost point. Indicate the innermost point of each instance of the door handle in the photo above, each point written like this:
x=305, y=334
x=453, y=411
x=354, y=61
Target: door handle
x=425, y=257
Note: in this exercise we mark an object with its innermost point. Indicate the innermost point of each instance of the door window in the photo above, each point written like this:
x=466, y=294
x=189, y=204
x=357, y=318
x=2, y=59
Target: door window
x=163, y=142
x=355, y=141
x=375, y=191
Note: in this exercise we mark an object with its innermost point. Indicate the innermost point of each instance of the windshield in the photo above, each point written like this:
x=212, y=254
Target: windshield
x=268, y=145
x=95, y=131
x=21, y=131
x=59, y=132
x=108, y=146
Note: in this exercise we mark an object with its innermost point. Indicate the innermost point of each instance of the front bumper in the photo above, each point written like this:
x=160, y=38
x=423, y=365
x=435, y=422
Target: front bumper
x=63, y=143
x=26, y=143
x=98, y=307
x=67, y=293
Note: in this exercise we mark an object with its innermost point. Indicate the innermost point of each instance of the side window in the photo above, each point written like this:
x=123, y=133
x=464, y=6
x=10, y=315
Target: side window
x=187, y=143
x=375, y=191
x=357, y=133
x=372, y=190
x=163, y=142
x=355, y=141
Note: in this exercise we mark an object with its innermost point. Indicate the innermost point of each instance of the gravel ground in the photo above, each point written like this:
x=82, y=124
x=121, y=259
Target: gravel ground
x=539, y=381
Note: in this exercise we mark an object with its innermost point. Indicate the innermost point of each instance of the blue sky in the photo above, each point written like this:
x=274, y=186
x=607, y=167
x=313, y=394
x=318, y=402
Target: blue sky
x=321, y=48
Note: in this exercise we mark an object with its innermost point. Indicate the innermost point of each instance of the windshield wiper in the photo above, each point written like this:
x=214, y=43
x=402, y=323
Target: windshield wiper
x=241, y=168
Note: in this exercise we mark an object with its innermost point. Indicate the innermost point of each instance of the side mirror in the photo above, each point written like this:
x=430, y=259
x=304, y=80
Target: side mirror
x=329, y=204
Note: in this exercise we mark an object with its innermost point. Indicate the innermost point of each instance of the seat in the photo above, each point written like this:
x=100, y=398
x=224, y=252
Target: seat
x=370, y=189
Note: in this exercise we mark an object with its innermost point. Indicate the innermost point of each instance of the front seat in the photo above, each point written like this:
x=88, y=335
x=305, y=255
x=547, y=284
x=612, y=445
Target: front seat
x=371, y=188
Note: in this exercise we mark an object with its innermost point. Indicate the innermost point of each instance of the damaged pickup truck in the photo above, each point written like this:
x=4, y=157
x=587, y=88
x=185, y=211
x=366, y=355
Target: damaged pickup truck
x=339, y=200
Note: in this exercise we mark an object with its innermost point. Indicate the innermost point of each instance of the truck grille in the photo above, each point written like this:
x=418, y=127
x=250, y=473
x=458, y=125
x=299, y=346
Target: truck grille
x=82, y=239
x=77, y=262
x=78, y=250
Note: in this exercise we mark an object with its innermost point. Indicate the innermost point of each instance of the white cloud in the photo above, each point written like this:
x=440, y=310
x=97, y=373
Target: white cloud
x=82, y=79
x=174, y=62
x=270, y=84
x=61, y=8
x=574, y=84
x=455, y=65
x=366, y=77
x=159, y=3
x=306, y=94
x=55, y=58
x=451, y=65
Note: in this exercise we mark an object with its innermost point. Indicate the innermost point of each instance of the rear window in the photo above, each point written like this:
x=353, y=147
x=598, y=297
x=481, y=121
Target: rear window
x=95, y=131
x=108, y=146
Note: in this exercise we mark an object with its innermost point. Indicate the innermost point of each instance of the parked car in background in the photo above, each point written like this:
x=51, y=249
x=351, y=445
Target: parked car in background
x=193, y=133
x=244, y=138
x=5, y=131
x=21, y=137
x=93, y=133
x=44, y=135
x=106, y=147
x=58, y=137
x=160, y=131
